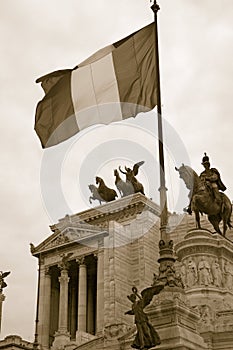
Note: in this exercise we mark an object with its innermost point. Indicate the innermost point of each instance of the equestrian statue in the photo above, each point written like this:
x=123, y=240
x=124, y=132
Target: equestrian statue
x=206, y=195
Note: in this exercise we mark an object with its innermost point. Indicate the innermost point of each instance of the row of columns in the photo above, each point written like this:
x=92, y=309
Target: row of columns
x=62, y=335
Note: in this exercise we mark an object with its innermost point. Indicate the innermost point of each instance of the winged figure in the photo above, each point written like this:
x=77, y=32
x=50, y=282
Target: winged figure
x=146, y=337
x=131, y=176
x=2, y=282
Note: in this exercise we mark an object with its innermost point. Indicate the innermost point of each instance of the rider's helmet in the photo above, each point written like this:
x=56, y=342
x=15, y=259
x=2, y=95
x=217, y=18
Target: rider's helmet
x=205, y=159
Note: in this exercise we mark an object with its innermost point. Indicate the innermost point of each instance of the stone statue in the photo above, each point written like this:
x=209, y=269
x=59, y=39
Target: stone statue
x=202, y=199
x=146, y=336
x=102, y=192
x=205, y=277
x=228, y=276
x=124, y=187
x=2, y=282
x=212, y=178
x=183, y=274
x=131, y=177
x=191, y=273
x=217, y=273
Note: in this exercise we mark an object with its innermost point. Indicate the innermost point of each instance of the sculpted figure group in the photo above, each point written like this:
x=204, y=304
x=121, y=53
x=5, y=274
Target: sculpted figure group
x=130, y=185
x=206, y=195
x=205, y=272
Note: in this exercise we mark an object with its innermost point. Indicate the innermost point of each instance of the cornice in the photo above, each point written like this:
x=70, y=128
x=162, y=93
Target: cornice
x=121, y=210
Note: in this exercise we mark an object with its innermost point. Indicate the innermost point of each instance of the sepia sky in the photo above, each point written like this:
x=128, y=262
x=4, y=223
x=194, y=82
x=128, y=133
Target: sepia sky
x=40, y=36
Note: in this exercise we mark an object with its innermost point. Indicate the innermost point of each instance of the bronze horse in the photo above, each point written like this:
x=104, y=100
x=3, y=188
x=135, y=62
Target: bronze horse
x=95, y=194
x=124, y=187
x=203, y=201
x=107, y=194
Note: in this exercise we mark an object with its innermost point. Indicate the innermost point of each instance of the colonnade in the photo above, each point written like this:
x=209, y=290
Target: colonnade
x=81, y=303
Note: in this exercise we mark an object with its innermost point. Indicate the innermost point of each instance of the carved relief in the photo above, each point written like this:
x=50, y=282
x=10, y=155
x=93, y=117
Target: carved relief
x=61, y=239
x=206, y=317
x=183, y=274
x=228, y=275
x=204, y=273
x=191, y=277
x=116, y=330
x=217, y=273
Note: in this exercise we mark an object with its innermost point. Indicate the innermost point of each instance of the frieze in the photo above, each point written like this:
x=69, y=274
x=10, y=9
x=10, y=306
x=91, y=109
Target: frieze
x=52, y=260
x=207, y=271
x=116, y=330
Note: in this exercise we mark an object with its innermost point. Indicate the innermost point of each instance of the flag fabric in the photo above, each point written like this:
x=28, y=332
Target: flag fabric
x=115, y=83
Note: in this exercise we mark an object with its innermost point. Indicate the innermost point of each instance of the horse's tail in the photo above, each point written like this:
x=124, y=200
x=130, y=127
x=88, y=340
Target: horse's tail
x=227, y=207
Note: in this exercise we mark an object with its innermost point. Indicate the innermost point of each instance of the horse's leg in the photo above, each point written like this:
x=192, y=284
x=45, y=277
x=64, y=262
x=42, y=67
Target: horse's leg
x=197, y=216
x=214, y=220
x=90, y=198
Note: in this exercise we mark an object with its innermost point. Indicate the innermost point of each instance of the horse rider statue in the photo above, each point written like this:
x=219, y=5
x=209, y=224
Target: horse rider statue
x=211, y=177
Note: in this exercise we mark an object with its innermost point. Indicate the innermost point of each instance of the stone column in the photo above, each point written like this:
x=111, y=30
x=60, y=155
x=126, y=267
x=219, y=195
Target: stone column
x=62, y=336
x=46, y=309
x=100, y=292
x=82, y=296
x=2, y=298
x=90, y=307
x=63, y=302
x=73, y=312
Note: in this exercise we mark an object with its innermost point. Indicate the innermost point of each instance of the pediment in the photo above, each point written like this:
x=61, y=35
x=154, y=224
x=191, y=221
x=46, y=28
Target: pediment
x=65, y=234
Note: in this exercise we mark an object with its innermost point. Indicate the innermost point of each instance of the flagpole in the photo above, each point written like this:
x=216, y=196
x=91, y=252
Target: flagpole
x=166, y=258
x=163, y=191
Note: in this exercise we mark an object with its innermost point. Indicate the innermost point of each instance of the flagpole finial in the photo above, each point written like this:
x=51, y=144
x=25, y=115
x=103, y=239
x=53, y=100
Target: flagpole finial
x=155, y=7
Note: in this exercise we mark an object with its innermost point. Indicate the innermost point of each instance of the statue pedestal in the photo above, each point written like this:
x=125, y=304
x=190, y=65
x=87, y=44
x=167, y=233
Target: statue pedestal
x=175, y=321
x=60, y=340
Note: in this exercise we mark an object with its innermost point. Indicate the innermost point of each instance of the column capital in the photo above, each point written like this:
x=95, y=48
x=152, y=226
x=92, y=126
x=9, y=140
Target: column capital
x=64, y=263
x=81, y=260
x=47, y=271
x=64, y=278
x=101, y=244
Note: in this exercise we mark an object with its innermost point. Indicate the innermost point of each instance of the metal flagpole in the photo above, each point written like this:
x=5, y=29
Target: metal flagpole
x=166, y=255
x=163, y=195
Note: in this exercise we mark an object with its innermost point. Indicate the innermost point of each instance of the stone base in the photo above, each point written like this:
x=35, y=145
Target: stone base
x=83, y=337
x=175, y=322
x=60, y=340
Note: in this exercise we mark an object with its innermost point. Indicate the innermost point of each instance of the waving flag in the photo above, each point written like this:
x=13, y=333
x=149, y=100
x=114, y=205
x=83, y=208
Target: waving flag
x=115, y=83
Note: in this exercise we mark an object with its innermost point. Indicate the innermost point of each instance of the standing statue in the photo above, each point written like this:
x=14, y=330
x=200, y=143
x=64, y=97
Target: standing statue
x=205, y=277
x=131, y=177
x=191, y=273
x=146, y=336
x=217, y=273
x=124, y=187
x=2, y=282
x=205, y=197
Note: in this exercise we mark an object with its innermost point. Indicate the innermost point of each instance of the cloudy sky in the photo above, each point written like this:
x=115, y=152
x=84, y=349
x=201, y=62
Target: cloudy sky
x=39, y=36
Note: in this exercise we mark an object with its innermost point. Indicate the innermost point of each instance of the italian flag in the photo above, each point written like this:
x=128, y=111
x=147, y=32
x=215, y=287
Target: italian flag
x=115, y=83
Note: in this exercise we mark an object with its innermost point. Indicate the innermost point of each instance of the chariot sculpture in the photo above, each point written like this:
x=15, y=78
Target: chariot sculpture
x=130, y=185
